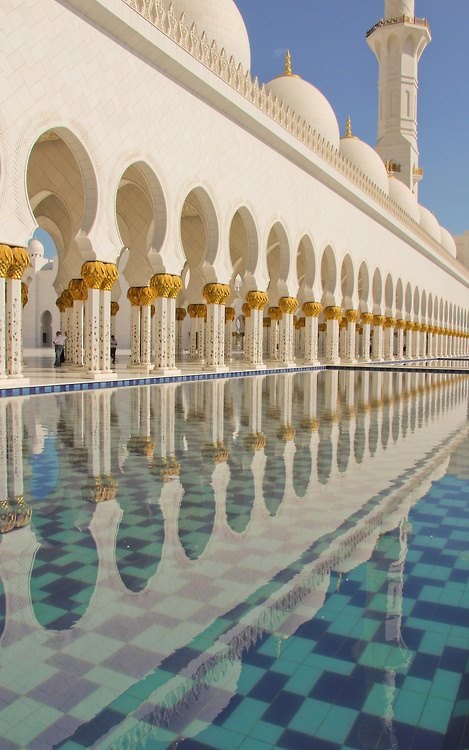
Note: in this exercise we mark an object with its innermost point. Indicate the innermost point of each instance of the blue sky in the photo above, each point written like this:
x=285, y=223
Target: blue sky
x=327, y=43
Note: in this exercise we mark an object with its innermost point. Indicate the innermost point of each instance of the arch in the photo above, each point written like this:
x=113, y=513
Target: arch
x=244, y=251
x=416, y=301
x=328, y=276
x=46, y=328
x=363, y=286
x=347, y=281
x=408, y=301
x=377, y=291
x=306, y=266
x=399, y=297
x=278, y=262
x=388, y=295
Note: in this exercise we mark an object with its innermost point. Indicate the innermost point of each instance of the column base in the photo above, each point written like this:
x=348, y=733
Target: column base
x=99, y=374
x=146, y=368
x=311, y=363
x=256, y=366
x=287, y=364
x=348, y=360
x=332, y=361
x=216, y=369
x=165, y=371
x=363, y=359
x=14, y=380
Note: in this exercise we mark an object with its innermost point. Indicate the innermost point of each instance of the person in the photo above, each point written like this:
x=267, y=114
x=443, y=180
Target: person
x=113, y=348
x=62, y=357
x=59, y=343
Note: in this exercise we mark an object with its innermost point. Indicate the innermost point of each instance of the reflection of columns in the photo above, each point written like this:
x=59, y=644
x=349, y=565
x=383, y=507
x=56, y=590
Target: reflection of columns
x=352, y=316
x=13, y=262
x=388, y=345
x=163, y=399
x=99, y=278
x=275, y=315
x=181, y=314
x=256, y=300
x=400, y=326
x=377, y=337
x=333, y=315
x=166, y=287
x=229, y=319
x=216, y=295
x=79, y=293
x=366, y=319
x=288, y=305
x=331, y=391
x=311, y=310
x=214, y=413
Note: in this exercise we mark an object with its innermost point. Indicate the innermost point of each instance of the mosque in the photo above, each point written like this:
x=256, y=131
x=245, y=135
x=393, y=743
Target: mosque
x=197, y=211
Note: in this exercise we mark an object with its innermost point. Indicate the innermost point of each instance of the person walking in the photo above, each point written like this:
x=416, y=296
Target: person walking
x=113, y=348
x=59, y=344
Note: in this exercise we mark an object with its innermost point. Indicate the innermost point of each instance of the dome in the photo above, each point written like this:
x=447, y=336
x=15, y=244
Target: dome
x=365, y=158
x=429, y=223
x=403, y=196
x=307, y=102
x=448, y=242
x=221, y=21
x=35, y=249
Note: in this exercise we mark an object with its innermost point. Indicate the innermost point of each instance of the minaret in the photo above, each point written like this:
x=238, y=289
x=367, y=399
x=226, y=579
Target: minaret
x=398, y=40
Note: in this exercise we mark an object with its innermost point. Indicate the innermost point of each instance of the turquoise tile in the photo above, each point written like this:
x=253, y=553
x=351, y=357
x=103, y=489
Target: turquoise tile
x=408, y=707
x=267, y=733
x=245, y=715
x=310, y=716
x=337, y=724
x=377, y=700
x=436, y=714
x=297, y=649
x=303, y=680
x=445, y=684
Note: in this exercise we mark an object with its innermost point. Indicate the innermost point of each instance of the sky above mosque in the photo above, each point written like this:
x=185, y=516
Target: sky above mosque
x=327, y=43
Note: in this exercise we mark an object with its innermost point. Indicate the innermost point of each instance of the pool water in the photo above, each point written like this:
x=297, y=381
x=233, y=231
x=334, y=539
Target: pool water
x=275, y=562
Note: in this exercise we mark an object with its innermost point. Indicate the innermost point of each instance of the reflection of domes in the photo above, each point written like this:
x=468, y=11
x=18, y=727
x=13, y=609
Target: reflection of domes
x=308, y=103
x=221, y=21
x=403, y=196
x=365, y=158
x=429, y=223
x=447, y=241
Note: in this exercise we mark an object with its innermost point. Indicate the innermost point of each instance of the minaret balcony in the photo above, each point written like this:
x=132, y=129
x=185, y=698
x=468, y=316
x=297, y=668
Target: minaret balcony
x=417, y=174
x=414, y=21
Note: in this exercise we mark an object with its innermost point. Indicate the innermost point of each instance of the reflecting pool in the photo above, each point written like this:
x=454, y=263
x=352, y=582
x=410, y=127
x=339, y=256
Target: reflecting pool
x=271, y=562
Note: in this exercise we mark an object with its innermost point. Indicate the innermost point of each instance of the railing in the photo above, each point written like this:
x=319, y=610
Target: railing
x=399, y=20
x=259, y=95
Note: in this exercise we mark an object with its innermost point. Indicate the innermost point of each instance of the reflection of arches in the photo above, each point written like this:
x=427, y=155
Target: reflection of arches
x=197, y=511
x=46, y=328
x=240, y=495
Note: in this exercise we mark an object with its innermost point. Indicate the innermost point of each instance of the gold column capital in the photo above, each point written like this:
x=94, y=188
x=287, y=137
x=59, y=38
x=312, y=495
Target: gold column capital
x=60, y=304
x=366, y=317
x=418, y=326
x=333, y=313
x=257, y=300
x=114, y=308
x=181, y=314
x=246, y=309
x=286, y=433
x=379, y=320
x=390, y=322
x=166, y=285
x=352, y=315
x=267, y=321
x=20, y=260
x=111, y=275
x=146, y=295
x=217, y=293
x=67, y=299
x=312, y=308
x=94, y=274
x=133, y=296
x=78, y=289
x=275, y=313
x=400, y=323
x=24, y=294
x=288, y=304
x=230, y=314
x=6, y=259
x=255, y=442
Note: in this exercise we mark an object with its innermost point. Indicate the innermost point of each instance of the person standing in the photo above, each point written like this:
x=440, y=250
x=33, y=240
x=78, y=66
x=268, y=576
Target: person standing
x=59, y=344
x=113, y=348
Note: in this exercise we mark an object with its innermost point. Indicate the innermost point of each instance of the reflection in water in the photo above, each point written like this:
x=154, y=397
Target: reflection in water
x=176, y=524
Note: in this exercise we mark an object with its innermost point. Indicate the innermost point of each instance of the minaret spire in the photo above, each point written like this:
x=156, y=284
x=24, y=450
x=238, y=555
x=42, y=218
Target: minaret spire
x=398, y=41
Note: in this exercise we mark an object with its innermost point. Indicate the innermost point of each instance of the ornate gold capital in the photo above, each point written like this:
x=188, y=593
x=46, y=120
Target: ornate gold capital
x=312, y=424
x=180, y=314
x=114, y=308
x=192, y=310
x=67, y=299
x=166, y=286
x=216, y=292
x=201, y=310
x=256, y=300
x=146, y=295
x=409, y=326
x=6, y=259
x=288, y=304
x=133, y=296
x=379, y=320
x=246, y=309
x=230, y=314
x=77, y=289
x=366, y=317
x=352, y=315
x=24, y=294
x=19, y=263
x=275, y=313
x=267, y=321
x=401, y=323
x=60, y=304
x=312, y=308
x=333, y=313
x=390, y=322
x=417, y=326
x=94, y=274
x=111, y=276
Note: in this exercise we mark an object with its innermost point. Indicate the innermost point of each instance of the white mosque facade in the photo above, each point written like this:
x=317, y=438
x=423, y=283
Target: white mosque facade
x=190, y=203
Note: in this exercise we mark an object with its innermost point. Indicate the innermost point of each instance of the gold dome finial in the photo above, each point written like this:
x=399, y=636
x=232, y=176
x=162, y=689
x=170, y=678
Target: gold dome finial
x=348, y=128
x=288, y=64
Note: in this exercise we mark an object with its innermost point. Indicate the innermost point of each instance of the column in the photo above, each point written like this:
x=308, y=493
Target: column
x=114, y=311
x=135, y=336
x=400, y=325
x=377, y=338
x=275, y=315
x=287, y=305
x=197, y=313
x=19, y=260
x=267, y=324
x=167, y=287
x=146, y=296
x=366, y=319
x=256, y=300
x=181, y=314
x=333, y=315
x=311, y=310
x=389, y=325
x=79, y=293
x=99, y=277
x=6, y=258
x=352, y=316
x=248, y=354
x=417, y=328
x=216, y=295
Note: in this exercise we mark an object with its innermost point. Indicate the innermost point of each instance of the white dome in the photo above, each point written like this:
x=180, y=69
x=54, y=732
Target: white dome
x=429, y=223
x=35, y=248
x=221, y=21
x=308, y=103
x=448, y=242
x=366, y=159
x=403, y=196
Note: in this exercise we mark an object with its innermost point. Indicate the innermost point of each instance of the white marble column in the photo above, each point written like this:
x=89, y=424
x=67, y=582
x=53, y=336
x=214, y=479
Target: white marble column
x=288, y=305
x=181, y=314
x=135, y=325
x=275, y=316
x=366, y=319
x=352, y=316
x=256, y=300
x=3, y=329
x=400, y=324
x=333, y=315
x=145, y=334
x=167, y=287
x=99, y=278
x=388, y=348
x=216, y=295
x=311, y=310
x=230, y=314
x=105, y=330
x=377, y=337
x=14, y=312
x=13, y=262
